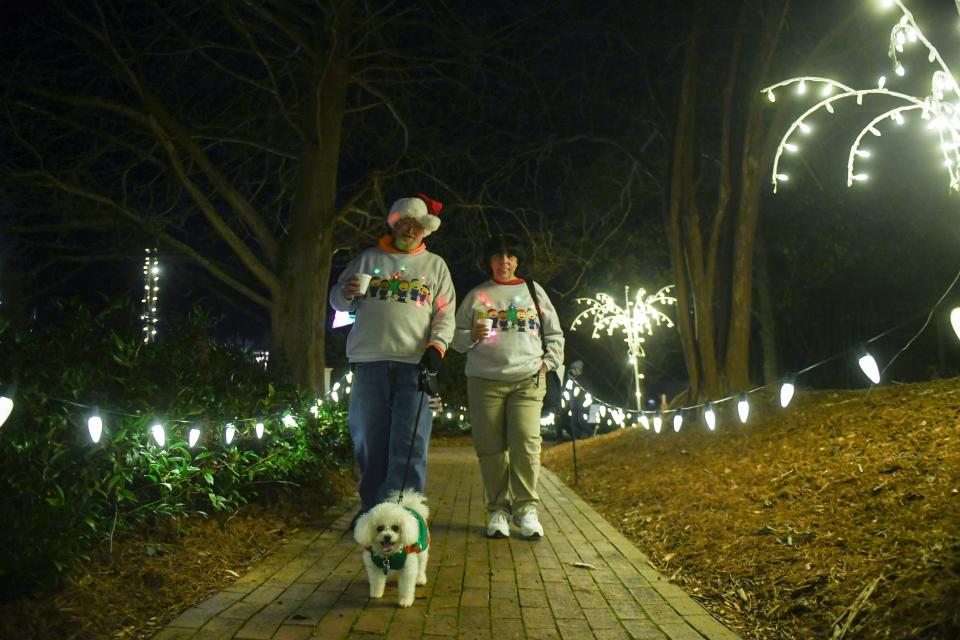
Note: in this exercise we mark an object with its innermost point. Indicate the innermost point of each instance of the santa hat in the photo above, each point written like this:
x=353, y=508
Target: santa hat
x=421, y=208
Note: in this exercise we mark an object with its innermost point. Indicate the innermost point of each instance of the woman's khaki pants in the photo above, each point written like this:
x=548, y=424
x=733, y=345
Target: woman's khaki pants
x=505, y=418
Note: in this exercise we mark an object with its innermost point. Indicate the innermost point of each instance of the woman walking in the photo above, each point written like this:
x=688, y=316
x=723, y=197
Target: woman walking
x=498, y=325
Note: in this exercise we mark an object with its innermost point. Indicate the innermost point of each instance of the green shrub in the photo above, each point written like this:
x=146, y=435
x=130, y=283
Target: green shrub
x=59, y=492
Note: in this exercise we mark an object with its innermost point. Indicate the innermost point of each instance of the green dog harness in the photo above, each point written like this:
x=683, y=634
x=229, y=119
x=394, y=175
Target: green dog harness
x=396, y=560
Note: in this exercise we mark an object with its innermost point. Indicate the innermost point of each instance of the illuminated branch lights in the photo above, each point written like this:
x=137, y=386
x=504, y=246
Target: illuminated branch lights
x=151, y=291
x=941, y=107
x=636, y=319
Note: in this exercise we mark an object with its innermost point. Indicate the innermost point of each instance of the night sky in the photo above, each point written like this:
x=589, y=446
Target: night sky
x=533, y=122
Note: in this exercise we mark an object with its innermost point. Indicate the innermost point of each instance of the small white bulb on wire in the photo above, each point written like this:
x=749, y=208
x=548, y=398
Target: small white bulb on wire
x=955, y=321
x=259, y=430
x=710, y=416
x=743, y=408
x=786, y=392
x=868, y=365
x=95, y=427
x=677, y=419
x=159, y=435
x=289, y=421
x=229, y=432
x=193, y=437
x=657, y=422
x=6, y=406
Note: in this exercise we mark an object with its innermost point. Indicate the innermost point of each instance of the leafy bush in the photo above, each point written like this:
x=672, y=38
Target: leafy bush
x=61, y=492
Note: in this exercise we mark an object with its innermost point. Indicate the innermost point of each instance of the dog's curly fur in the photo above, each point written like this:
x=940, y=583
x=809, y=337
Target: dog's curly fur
x=386, y=529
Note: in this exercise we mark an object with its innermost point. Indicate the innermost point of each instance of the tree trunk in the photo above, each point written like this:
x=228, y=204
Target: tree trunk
x=299, y=313
x=768, y=327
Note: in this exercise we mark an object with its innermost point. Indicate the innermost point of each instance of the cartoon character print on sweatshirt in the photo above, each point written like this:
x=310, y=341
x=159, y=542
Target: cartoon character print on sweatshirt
x=513, y=317
x=397, y=288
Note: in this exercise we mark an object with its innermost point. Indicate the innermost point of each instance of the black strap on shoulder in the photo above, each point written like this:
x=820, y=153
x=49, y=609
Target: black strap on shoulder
x=536, y=303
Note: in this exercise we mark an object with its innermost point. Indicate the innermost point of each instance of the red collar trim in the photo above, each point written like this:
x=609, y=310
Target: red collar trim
x=386, y=244
x=514, y=281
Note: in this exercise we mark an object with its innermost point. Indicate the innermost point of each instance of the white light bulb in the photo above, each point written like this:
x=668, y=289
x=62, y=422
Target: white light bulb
x=158, y=434
x=789, y=146
x=869, y=367
x=710, y=417
x=646, y=421
x=657, y=423
x=827, y=90
x=743, y=408
x=786, y=393
x=6, y=406
x=193, y=437
x=954, y=322
x=801, y=87
x=335, y=396
x=859, y=177
x=804, y=127
x=95, y=427
x=863, y=153
x=677, y=420
x=289, y=421
x=900, y=71
x=259, y=430
x=229, y=432
x=782, y=177
x=449, y=416
x=771, y=97
x=882, y=82
x=350, y=377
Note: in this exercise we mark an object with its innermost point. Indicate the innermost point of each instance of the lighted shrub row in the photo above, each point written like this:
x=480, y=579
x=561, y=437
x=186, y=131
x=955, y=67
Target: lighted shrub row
x=60, y=492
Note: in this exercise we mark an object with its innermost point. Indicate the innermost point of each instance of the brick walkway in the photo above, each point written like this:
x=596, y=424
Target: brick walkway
x=316, y=587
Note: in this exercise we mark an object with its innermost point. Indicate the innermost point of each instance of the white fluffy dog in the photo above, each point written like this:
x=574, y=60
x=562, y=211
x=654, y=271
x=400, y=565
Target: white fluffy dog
x=395, y=538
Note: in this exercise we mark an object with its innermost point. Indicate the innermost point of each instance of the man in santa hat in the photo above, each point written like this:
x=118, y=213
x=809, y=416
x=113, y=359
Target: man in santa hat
x=390, y=342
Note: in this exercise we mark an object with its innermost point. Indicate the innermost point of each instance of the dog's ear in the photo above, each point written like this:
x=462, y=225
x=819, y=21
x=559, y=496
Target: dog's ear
x=363, y=530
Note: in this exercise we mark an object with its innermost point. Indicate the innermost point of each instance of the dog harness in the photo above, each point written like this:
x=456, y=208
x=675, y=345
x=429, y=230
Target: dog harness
x=396, y=560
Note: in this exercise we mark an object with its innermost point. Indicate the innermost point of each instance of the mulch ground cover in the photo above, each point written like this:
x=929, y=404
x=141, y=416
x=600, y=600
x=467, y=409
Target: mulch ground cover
x=145, y=578
x=838, y=517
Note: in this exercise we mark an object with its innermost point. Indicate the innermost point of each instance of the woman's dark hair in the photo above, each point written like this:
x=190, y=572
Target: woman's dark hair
x=499, y=244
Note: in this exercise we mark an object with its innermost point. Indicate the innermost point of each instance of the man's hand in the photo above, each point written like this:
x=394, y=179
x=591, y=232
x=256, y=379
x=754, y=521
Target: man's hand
x=432, y=360
x=351, y=288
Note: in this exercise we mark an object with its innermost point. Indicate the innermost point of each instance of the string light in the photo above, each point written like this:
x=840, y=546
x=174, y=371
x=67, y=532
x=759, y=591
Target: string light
x=709, y=416
x=6, y=406
x=786, y=392
x=635, y=319
x=259, y=430
x=937, y=106
x=151, y=293
x=743, y=408
x=657, y=422
x=159, y=435
x=954, y=322
x=868, y=365
x=677, y=420
x=194, y=437
x=95, y=428
x=229, y=432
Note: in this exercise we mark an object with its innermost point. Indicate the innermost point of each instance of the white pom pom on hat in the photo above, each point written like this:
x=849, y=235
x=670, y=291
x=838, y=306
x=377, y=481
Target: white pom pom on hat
x=421, y=208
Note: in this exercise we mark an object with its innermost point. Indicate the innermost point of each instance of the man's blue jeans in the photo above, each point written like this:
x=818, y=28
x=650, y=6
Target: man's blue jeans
x=383, y=406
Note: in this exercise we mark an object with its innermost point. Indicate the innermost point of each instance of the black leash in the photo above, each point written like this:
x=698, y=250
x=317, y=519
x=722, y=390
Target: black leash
x=426, y=383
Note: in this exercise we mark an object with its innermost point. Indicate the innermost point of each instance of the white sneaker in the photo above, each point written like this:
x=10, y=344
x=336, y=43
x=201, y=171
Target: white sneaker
x=529, y=523
x=498, y=525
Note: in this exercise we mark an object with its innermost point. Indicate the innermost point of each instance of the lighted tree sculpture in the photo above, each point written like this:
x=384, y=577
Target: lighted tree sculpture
x=941, y=107
x=636, y=320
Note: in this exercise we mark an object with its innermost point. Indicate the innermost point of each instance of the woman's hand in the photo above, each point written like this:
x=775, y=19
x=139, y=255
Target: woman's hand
x=479, y=332
x=543, y=367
